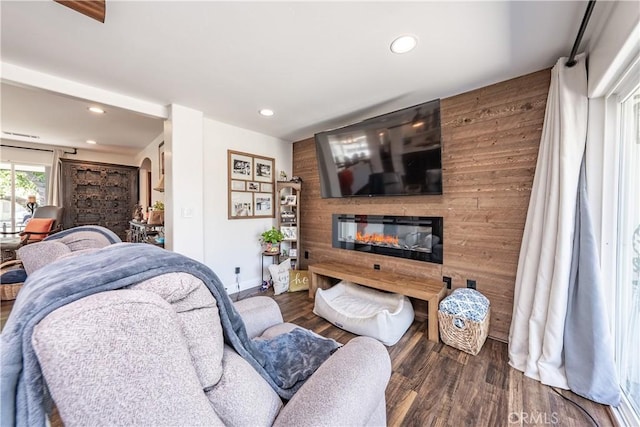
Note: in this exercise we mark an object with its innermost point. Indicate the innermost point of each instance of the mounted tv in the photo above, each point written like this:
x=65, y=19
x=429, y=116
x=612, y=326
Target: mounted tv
x=395, y=154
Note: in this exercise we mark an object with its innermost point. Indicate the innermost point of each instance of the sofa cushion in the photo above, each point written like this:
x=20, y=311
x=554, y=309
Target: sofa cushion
x=199, y=319
x=85, y=237
x=37, y=255
x=69, y=242
x=243, y=397
x=258, y=313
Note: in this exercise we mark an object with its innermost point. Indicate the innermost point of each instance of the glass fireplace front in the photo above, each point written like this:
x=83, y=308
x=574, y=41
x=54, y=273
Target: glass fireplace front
x=411, y=237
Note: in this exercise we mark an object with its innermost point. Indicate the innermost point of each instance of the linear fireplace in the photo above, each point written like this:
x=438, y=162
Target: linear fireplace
x=411, y=237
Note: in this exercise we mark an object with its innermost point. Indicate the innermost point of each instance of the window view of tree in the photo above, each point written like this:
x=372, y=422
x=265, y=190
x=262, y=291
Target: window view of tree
x=18, y=183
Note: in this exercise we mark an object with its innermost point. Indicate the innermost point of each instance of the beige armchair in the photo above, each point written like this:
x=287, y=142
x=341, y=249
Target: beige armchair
x=153, y=354
x=45, y=221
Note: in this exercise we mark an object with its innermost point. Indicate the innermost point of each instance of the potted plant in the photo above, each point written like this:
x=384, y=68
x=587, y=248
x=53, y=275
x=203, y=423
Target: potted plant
x=156, y=216
x=271, y=240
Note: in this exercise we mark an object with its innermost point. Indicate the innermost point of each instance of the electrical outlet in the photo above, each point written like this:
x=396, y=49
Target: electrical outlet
x=306, y=254
x=447, y=280
x=376, y=266
x=471, y=284
x=237, y=270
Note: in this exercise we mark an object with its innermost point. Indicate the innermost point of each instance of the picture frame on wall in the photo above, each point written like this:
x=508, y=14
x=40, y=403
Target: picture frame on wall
x=250, y=185
x=263, y=169
x=161, y=158
x=290, y=233
x=240, y=166
x=238, y=185
x=263, y=204
x=241, y=204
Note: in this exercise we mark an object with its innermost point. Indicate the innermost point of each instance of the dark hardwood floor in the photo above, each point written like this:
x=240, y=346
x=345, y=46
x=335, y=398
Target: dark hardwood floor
x=436, y=385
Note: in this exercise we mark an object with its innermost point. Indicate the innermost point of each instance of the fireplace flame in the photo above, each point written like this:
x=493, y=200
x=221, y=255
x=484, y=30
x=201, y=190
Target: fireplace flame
x=376, y=239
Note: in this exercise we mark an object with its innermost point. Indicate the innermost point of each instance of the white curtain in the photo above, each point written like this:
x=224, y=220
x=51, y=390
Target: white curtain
x=542, y=281
x=53, y=189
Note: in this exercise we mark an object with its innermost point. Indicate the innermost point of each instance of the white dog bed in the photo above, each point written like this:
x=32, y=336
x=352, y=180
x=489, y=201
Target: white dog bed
x=365, y=311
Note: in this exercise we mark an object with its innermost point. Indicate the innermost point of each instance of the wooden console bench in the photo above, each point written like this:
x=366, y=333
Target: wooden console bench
x=428, y=290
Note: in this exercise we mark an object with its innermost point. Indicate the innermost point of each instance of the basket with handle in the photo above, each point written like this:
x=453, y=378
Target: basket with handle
x=469, y=337
x=463, y=319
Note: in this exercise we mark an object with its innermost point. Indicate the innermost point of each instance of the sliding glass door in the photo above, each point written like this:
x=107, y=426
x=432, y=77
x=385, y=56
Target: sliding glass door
x=20, y=185
x=627, y=312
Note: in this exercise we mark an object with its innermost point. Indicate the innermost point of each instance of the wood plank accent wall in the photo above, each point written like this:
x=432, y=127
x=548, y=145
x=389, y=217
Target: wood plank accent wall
x=490, y=140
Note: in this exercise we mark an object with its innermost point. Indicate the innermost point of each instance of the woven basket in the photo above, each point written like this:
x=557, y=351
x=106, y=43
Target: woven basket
x=9, y=291
x=469, y=338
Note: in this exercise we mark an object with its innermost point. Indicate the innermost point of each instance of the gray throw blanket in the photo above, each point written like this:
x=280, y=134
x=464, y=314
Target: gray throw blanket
x=114, y=267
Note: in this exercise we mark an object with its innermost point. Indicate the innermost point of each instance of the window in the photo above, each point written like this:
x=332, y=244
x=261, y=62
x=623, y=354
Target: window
x=620, y=228
x=627, y=302
x=19, y=183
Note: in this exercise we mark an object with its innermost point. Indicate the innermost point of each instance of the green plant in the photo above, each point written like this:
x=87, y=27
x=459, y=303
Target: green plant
x=158, y=206
x=272, y=236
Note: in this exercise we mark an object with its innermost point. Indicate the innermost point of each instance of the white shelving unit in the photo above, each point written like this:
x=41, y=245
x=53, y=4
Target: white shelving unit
x=288, y=217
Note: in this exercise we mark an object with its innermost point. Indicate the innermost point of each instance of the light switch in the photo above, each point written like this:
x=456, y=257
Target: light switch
x=187, y=212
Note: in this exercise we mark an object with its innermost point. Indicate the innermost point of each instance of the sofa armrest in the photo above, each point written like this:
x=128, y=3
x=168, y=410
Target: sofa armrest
x=347, y=389
x=258, y=313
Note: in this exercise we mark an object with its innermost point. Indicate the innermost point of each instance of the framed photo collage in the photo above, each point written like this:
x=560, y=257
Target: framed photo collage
x=251, y=185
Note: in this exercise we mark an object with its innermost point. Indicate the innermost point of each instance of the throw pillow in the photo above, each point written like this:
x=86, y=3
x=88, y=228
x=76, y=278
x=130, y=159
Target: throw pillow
x=38, y=225
x=37, y=255
x=299, y=280
x=16, y=275
x=280, y=276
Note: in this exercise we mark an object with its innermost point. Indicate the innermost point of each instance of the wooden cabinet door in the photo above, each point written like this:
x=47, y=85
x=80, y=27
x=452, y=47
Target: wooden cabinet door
x=98, y=194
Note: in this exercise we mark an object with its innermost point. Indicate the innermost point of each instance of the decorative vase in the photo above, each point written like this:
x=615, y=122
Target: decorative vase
x=272, y=247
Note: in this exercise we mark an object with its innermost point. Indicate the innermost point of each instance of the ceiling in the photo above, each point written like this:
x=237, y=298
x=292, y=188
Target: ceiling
x=318, y=65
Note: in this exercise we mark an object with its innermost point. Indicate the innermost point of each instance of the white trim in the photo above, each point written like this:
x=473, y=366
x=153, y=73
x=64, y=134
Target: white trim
x=629, y=77
x=609, y=207
x=626, y=48
x=31, y=78
x=624, y=415
x=619, y=91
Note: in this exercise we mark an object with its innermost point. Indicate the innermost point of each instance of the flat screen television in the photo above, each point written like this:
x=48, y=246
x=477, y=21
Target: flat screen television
x=395, y=154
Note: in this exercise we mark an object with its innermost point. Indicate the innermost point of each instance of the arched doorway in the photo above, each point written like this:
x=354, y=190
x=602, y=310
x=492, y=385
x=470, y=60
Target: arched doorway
x=145, y=184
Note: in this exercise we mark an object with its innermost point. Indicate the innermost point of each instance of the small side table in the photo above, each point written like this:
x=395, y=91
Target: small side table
x=275, y=255
x=8, y=246
x=141, y=232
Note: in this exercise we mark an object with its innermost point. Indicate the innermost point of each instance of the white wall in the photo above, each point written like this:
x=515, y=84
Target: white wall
x=184, y=212
x=235, y=243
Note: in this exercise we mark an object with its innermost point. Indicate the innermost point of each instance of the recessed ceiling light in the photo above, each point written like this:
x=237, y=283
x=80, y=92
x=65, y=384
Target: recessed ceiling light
x=266, y=112
x=404, y=44
x=91, y=141
x=96, y=110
